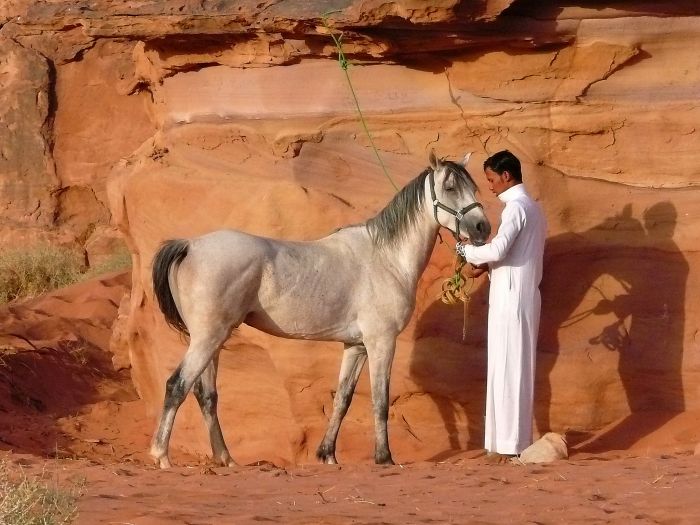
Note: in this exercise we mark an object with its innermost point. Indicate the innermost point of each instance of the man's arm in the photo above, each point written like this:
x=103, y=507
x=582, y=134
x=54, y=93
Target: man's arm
x=512, y=222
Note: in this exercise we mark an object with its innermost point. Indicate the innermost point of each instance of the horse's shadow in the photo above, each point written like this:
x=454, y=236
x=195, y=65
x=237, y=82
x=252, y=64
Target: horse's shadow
x=452, y=371
x=646, y=308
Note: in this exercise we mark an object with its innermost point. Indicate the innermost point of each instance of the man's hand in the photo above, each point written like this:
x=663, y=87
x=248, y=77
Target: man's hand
x=475, y=270
x=471, y=270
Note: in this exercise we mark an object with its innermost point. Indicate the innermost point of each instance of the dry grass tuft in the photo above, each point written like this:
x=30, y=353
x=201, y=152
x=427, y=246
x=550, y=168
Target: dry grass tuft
x=27, y=501
x=35, y=271
x=119, y=260
x=32, y=272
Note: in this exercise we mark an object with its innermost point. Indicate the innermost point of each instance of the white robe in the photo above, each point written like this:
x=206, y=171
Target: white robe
x=515, y=267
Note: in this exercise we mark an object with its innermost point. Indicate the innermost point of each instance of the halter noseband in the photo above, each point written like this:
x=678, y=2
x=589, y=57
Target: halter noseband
x=456, y=214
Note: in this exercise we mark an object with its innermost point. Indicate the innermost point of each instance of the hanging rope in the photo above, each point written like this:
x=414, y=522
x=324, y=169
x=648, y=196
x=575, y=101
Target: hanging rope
x=343, y=62
x=453, y=288
x=457, y=289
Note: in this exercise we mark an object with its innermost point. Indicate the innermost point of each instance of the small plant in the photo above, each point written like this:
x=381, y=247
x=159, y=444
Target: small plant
x=35, y=271
x=119, y=260
x=27, y=273
x=27, y=501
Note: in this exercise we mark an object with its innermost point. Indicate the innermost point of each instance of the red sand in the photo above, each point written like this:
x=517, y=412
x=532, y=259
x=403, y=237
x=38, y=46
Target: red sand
x=66, y=413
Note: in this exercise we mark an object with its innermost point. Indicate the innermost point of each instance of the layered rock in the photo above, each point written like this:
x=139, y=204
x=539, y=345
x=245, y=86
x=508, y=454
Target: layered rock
x=236, y=115
x=57, y=162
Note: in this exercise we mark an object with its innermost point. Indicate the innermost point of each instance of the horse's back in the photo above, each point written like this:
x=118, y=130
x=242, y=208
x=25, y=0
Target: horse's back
x=230, y=242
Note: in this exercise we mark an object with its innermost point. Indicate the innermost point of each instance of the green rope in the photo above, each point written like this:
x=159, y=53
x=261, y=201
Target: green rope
x=453, y=288
x=344, y=64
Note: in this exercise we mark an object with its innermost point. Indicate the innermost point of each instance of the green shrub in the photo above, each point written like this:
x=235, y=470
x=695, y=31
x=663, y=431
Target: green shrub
x=26, y=501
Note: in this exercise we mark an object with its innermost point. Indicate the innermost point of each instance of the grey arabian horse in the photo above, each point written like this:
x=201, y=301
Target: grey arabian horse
x=356, y=286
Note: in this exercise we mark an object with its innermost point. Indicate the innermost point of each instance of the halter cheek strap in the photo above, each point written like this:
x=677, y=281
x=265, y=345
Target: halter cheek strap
x=458, y=215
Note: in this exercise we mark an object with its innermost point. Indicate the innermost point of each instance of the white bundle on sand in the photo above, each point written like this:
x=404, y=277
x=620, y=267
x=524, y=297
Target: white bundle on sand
x=548, y=448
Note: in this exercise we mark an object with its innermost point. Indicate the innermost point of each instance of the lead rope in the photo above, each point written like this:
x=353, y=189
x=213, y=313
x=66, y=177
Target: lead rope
x=455, y=289
x=344, y=63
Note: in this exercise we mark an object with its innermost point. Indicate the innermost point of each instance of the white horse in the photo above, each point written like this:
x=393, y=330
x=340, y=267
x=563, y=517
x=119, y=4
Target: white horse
x=356, y=286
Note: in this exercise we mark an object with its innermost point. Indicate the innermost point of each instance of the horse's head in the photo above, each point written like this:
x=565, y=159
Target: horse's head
x=453, y=197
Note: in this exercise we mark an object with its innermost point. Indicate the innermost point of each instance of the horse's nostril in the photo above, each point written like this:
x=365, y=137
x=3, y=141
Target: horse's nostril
x=481, y=227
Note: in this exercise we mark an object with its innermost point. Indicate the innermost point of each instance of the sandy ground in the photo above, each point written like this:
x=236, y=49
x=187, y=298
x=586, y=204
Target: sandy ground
x=660, y=488
x=86, y=429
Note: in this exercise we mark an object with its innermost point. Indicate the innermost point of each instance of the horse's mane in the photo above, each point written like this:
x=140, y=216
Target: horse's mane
x=392, y=223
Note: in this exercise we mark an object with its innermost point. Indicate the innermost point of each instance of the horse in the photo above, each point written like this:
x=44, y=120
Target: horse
x=356, y=286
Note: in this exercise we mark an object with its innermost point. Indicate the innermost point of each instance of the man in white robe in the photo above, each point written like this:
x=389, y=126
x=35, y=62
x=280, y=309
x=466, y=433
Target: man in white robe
x=514, y=262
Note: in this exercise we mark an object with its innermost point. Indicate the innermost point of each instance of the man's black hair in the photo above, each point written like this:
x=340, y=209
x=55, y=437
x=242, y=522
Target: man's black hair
x=504, y=161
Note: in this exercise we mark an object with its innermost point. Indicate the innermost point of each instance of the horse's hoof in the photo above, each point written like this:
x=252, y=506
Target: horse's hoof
x=327, y=459
x=160, y=456
x=163, y=462
x=227, y=461
x=326, y=454
x=385, y=461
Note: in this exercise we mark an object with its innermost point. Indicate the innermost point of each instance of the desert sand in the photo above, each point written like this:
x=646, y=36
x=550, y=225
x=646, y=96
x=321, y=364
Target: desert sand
x=127, y=123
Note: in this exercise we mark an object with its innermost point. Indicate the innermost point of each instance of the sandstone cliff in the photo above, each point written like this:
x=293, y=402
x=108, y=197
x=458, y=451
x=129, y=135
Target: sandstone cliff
x=178, y=117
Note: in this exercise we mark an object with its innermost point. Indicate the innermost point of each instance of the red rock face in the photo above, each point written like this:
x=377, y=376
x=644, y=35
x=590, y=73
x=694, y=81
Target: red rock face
x=25, y=161
x=178, y=119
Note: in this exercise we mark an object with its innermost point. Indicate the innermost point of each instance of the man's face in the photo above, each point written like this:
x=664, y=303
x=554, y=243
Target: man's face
x=498, y=183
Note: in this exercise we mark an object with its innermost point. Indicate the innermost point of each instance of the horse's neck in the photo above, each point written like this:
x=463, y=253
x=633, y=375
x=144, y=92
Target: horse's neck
x=411, y=254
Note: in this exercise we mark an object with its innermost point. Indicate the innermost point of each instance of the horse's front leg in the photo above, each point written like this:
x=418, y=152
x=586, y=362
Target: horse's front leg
x=381, y=355
x=354, y=359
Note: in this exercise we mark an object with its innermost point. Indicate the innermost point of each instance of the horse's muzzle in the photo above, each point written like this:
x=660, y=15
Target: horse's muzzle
x=478, y=231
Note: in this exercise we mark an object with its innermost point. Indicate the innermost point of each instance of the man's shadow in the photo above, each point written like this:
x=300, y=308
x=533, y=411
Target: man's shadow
x=645, y=302
x=639, y=313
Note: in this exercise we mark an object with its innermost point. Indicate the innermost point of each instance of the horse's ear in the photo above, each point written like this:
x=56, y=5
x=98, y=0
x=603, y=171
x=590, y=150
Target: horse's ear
x=434, y=161
x=465, y=159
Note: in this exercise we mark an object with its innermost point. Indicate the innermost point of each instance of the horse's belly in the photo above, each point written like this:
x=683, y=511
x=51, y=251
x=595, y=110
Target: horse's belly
x=304, y=327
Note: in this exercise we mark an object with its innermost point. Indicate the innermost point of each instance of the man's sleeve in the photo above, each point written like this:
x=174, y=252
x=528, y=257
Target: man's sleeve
x=512, y=222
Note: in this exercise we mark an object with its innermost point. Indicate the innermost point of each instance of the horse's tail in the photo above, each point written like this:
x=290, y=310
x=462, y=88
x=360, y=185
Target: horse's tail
x=170, y=253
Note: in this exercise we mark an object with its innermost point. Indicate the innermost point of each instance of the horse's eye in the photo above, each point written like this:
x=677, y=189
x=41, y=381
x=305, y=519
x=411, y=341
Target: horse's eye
x=449, y=183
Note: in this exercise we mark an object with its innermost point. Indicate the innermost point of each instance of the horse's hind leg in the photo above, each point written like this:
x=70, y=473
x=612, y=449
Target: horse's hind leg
x=207, y=397
x=197, y=358
x=354, y=359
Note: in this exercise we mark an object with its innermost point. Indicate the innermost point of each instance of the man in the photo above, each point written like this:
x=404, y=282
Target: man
x=514, y=261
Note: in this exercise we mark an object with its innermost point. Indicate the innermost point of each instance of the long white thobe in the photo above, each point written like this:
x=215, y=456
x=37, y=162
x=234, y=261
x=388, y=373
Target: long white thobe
x=514, y=257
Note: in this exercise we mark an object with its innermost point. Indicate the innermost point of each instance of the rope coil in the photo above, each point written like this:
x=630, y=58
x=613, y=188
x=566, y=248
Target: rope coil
x=455, y=290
